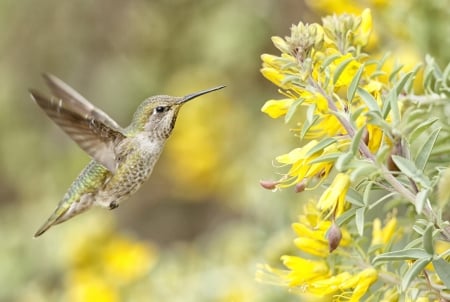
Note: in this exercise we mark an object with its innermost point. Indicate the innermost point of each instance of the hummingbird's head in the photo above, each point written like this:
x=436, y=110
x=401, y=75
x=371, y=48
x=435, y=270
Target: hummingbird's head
x=157, y=114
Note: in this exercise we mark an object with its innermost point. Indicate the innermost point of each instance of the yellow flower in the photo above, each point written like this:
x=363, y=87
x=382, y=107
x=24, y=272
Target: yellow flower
x=382, y=236
x=349, y=71
x=312, y=232
x=273, y=75
x=360, y=283
x=85, y=285
x=301, y=166
x=340, y=284
x=303, y=270
x=365, y=28
x=328, y=286
x=311, y=246
x=277, y=108
x=327, y=126
x=126, y=260
x=332, y=201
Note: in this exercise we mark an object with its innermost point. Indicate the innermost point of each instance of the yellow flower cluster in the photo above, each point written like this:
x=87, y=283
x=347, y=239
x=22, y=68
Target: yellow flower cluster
x=317, y=70
x=323, y=70
x=312, y=275
x=103, y=264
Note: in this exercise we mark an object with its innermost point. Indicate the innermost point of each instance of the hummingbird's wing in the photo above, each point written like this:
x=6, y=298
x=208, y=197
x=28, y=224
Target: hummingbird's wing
x=93, y=130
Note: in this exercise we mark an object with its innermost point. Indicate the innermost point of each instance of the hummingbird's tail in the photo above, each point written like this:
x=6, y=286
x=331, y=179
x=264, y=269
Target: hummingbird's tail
x=57, y=217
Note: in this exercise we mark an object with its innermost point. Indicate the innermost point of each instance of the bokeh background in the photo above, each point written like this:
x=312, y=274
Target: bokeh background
x=198, y=229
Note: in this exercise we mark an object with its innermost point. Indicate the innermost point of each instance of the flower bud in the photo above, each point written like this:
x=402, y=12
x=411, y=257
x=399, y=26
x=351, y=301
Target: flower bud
x=334, y=237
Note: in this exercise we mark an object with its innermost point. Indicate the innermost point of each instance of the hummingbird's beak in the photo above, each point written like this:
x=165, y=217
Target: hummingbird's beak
x=196, y=94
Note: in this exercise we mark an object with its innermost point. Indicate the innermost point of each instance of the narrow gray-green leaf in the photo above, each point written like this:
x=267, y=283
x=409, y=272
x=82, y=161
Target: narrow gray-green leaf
x=392, y=99
x=428, y=239
x=346, y=216
x=375, y=118
x=359, y=220
x=343, y=161
x=425, y=150
x=442, y=268
x=407, y=254
x=413, y=244
x=421, y=199
x=356, y=140
x=291, y=111
x=410, y=170
x=368, y=99
x=385, y=198
x=354, y=197
x=332, y=157
x=410, y=82
x=363, y=170
x=419, y=129
x=403, y=81
x=354, y=84
x=413, y=272
x=307, y=125
x=367, y=192
x=320, y=146
x=329, y=60
x=357, y=113
x=395, y=72
x=340, y=68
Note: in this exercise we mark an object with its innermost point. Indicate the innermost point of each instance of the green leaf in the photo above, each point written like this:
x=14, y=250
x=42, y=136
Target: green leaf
x=404, y=81
x=442, y=268
x=346, y=216
x=394, y=72
x=375, y=118
x=359, y=220
x=367, y=192
x=413, y=244
x=362, y=170
x=421, y=199
x=332, y=157
x=419, y=129
x=407, y=254
x=380, y=63
x=384, y=198
x=410, y=170
x=410, y=82
x=368, y=99
x=343, y=161
x=428, y=239
x=356, y=140
x=311, y=119
x=392, y=100
x=354, y=197
x=413, y=272
x=354, y=84
x=354, y=115
x=329, y=60
x=340, y=68
x=320, y=146
x=425, y=150
x=378, y=73
x=292, y=109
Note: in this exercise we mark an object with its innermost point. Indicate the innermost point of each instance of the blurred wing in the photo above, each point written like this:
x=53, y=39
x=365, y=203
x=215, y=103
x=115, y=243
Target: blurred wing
x=76, y=102
x=93, y=130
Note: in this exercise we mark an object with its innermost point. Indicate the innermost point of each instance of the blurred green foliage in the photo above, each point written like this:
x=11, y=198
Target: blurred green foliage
x=201, y=224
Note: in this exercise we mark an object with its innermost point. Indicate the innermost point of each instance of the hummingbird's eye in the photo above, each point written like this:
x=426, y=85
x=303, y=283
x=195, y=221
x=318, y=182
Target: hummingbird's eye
x=160, y=109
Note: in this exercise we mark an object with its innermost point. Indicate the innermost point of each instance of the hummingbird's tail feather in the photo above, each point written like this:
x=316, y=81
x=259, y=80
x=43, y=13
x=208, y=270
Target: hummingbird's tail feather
x=55, y=218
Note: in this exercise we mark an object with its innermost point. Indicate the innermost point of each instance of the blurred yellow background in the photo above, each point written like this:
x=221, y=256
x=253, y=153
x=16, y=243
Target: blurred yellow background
x=197, y=230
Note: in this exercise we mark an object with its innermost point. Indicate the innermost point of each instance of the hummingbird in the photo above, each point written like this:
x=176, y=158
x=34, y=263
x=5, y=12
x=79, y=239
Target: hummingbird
x=122, y=158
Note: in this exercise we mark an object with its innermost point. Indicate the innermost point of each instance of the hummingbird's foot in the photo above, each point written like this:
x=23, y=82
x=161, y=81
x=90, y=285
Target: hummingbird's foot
x=113, y=205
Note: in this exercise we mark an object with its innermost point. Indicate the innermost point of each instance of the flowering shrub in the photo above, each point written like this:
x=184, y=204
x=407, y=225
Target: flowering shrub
x=377, y=138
